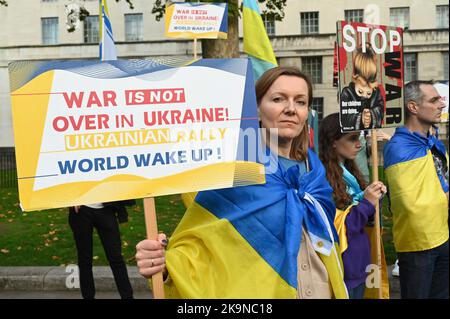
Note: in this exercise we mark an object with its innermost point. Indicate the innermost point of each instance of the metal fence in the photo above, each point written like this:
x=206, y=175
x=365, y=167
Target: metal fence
x=8, y=173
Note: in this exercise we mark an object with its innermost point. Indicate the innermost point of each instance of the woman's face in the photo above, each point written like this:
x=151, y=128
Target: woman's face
x=285, y=107
x=348, y=146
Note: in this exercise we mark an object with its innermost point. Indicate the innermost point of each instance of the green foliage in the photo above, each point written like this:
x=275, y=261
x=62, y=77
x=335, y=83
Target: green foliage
x=274, y=8
x=44, y=238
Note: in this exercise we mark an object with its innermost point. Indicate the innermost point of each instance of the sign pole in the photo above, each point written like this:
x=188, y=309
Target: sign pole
x=195, y=48
x=374, y=147
x=152, y=233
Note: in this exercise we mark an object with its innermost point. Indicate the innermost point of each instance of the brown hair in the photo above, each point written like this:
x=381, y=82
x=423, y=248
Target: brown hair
x=329, y=132
x=365, y=67
x=299, y=147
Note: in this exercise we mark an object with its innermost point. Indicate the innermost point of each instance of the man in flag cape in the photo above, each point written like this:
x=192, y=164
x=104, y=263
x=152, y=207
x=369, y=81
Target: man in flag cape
x=416, y=168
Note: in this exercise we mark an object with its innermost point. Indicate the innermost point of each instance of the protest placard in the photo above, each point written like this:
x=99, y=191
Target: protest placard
x=88, y=131
x=442, y=88
x=370, y=63
x=197, y=20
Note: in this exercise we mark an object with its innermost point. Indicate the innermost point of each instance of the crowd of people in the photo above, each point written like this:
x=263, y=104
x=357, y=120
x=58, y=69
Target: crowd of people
x=302, y=234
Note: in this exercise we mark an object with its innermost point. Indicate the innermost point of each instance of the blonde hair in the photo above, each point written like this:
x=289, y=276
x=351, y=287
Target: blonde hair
x=365, y=67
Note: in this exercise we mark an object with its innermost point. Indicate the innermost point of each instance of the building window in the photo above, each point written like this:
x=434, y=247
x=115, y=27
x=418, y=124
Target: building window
x=49, y=30
x=312, y=66
x=309, y=22
x=91, y=32
x=445, y=62
x=410, y=67
x=442, y=16
x=133, y=27
x=399, y=17
x=269, y=24
x=354, y=15
x=317, y=105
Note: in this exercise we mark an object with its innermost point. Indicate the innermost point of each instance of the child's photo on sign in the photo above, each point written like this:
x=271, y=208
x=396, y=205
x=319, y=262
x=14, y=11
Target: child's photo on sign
x=370, y=76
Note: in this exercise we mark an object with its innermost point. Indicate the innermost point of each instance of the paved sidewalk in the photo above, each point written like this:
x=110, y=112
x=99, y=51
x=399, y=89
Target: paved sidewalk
x=53, y=283
x=38, y=282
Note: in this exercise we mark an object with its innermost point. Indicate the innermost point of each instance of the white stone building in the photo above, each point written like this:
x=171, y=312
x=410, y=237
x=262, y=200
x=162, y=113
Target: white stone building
x=36, y=30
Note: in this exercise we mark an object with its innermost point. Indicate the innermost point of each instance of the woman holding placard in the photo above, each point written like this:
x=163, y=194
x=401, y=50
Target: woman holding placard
x=275, y=240
x=355, y=206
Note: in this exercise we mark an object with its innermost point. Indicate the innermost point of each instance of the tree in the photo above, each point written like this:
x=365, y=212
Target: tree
x=212, y=48
x=228, y=48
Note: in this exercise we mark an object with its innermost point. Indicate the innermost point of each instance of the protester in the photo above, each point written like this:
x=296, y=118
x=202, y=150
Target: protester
x=416, y=168
x=354, y=206
x=104, y=217
x=274, y=240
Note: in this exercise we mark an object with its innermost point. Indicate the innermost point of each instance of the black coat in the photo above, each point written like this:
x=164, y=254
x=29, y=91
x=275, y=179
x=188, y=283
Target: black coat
x=118, y=208
x=375, y=105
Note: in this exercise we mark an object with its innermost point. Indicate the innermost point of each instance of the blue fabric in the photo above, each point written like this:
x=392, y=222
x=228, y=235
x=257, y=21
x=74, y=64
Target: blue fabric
x=406, y=146
x=251, y=4
x=288, y=163
x=353, y=188
x=357, y=292
x=270, y=216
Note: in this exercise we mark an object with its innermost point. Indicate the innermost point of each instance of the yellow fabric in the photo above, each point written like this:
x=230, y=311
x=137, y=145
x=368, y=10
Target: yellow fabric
x=208, y=258
x=334, y=265
x=256, y=41
x=201, y=264
x=339, y=223
x=372, y=293
x=188, y=198
x=419, y=205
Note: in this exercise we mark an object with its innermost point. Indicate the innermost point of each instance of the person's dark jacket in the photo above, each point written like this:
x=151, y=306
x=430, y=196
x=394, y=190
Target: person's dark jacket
x=118, y=207
x=375, y=104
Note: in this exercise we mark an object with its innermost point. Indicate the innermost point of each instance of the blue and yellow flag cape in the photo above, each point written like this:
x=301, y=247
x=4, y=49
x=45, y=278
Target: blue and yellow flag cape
x=243, y=242
x=417, y=193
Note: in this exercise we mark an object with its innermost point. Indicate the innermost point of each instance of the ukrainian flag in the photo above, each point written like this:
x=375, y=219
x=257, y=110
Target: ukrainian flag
x=256, y=41
x=107, y=46
x=417, y=193
x=243, y=242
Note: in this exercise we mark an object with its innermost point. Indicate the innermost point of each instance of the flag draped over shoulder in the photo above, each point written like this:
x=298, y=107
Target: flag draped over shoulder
x=256, y=41
x=243, y=242
x=418, y=202
x=107, y=46
x=354, y=190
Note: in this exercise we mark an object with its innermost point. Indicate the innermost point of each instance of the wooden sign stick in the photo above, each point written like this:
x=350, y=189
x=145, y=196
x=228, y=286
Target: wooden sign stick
x=195, y=48
x=152, y=233
x=377, y=210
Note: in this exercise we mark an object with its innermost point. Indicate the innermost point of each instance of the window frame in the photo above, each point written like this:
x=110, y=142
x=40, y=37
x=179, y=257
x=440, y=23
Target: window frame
x=309, y=64
x=400, y=9
x=307, y=25
x=139, y=35
x=55, y=31
x=89, y=34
